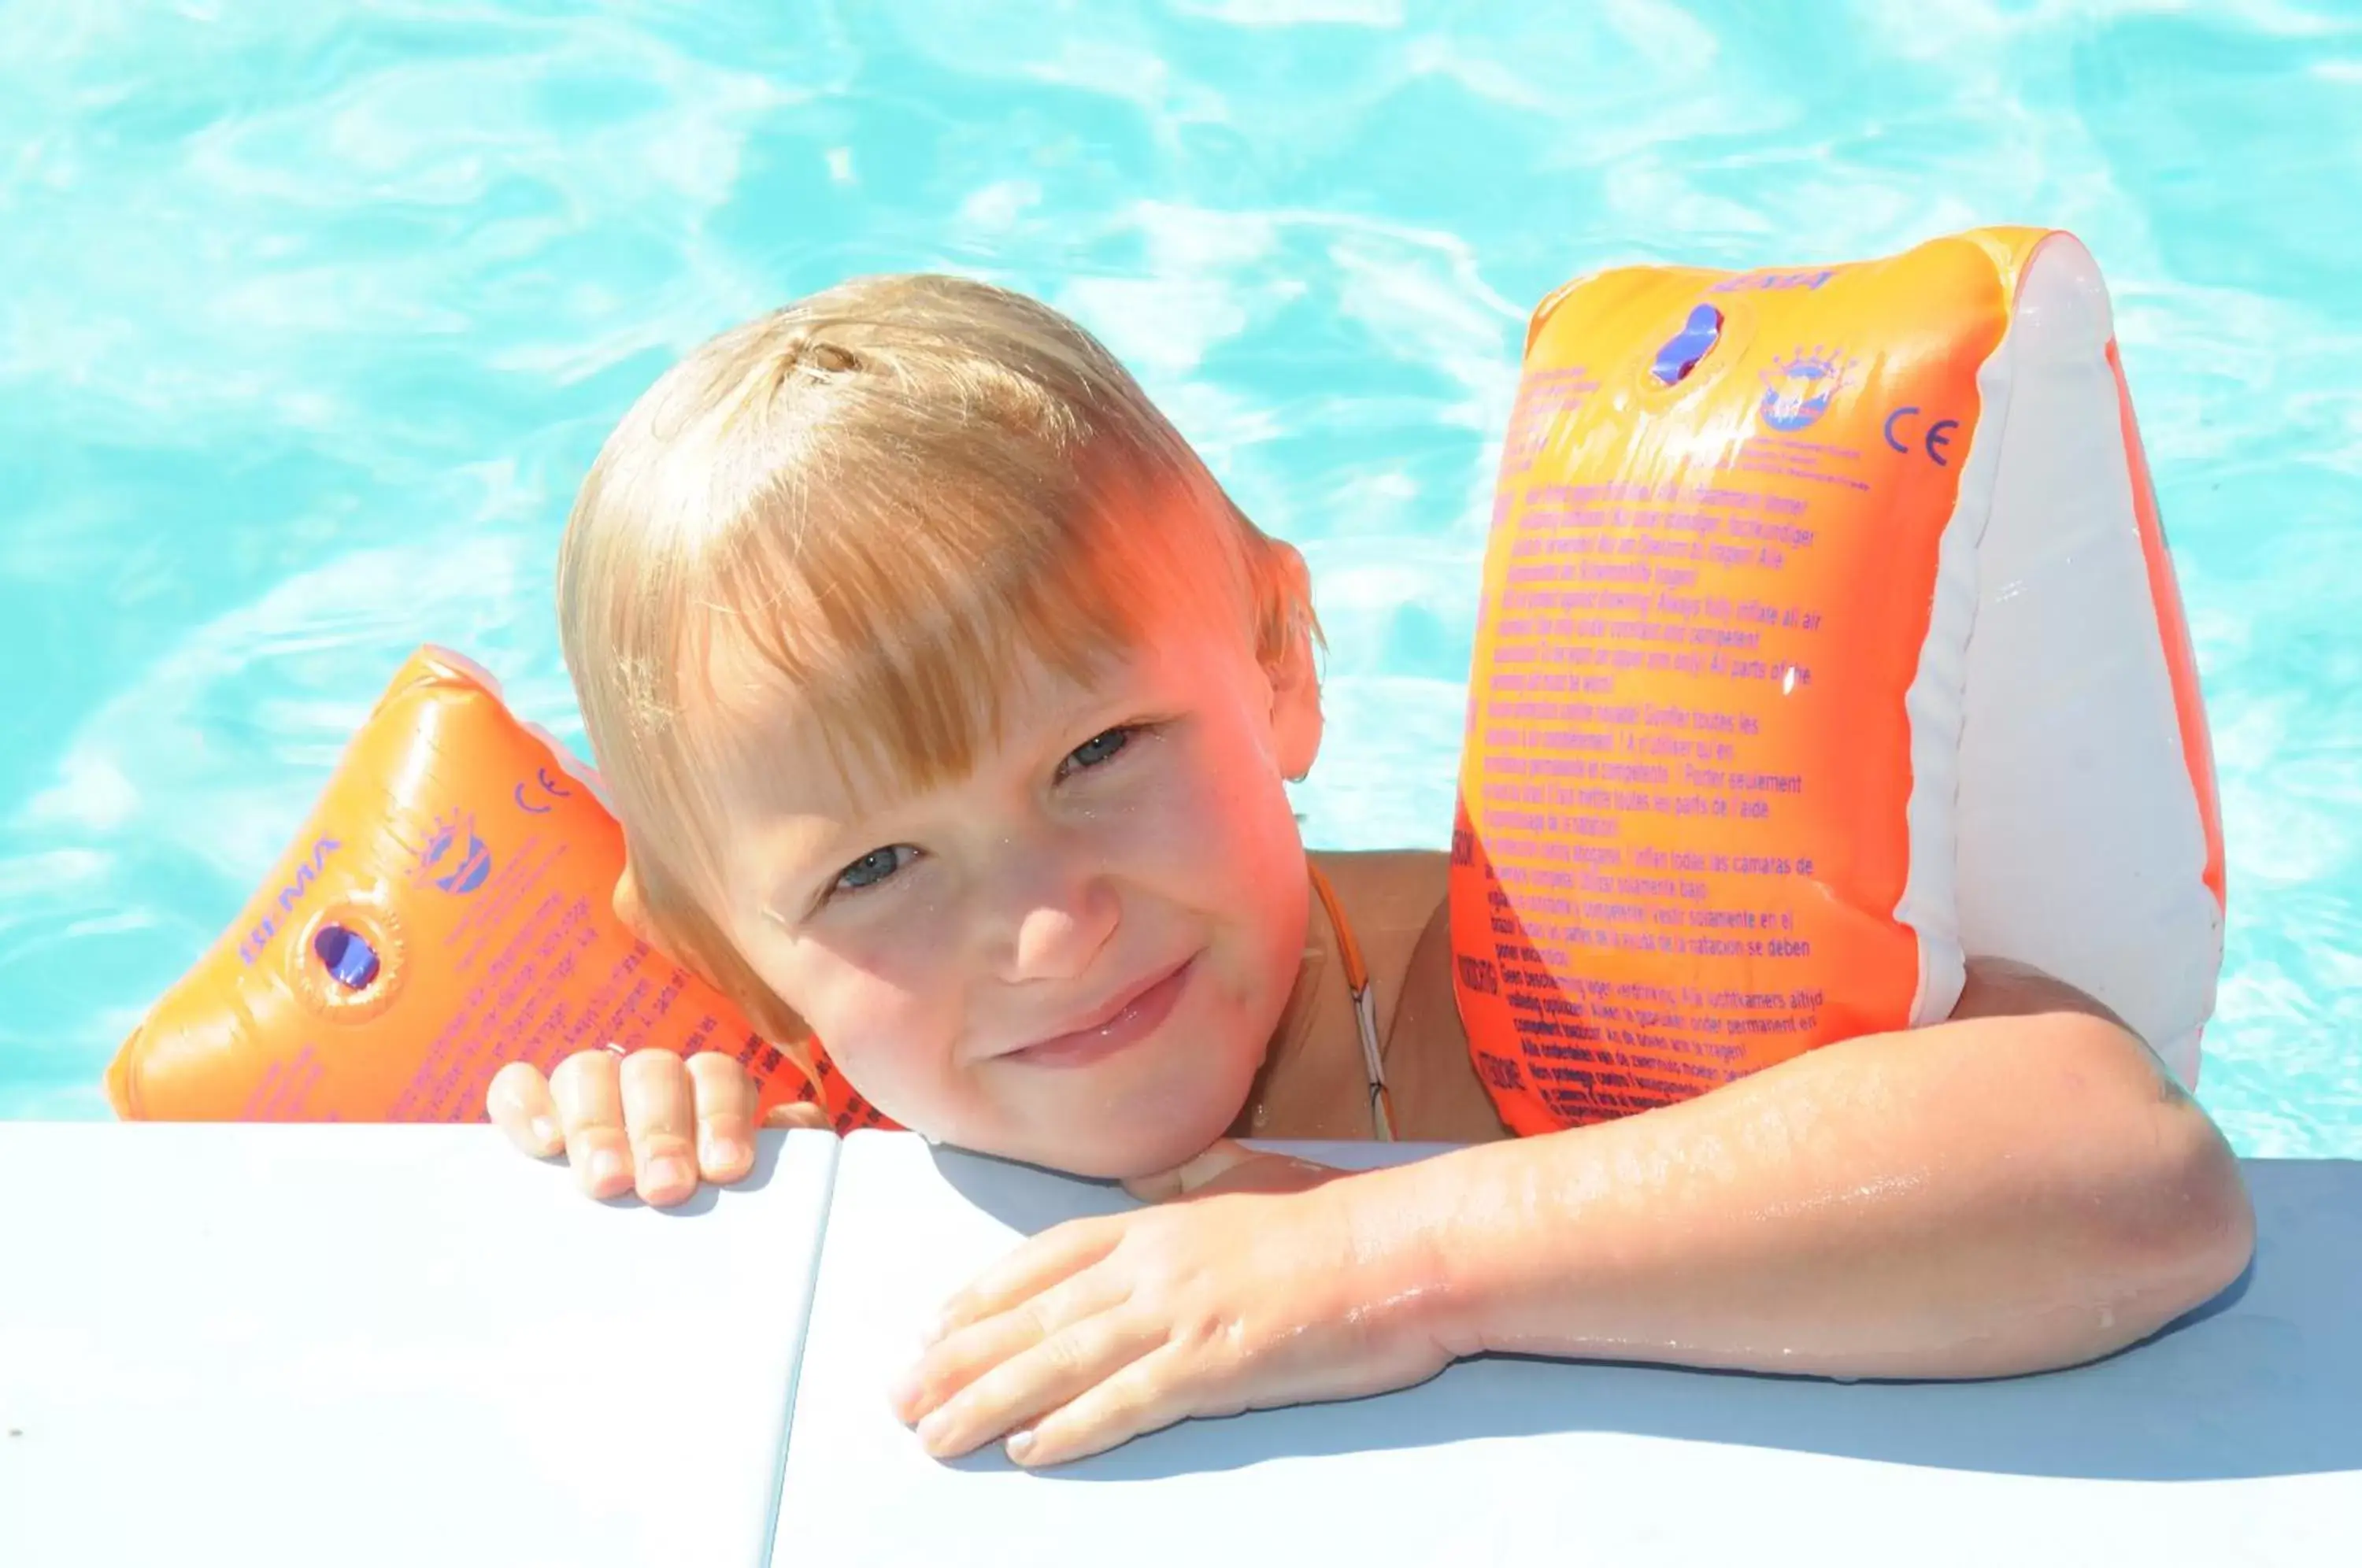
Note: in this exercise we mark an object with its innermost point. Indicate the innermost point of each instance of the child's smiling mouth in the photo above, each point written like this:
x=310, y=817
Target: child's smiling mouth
x=1135, y=1015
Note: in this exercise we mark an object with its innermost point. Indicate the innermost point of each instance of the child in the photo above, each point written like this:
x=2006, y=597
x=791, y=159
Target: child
x=945, y=701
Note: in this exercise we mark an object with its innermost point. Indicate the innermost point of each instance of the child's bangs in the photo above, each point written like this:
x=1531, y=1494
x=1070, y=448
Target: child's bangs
x=904, y=637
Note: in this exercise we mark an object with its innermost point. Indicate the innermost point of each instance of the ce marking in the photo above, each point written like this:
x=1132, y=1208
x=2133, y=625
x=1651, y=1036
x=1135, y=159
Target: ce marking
x=1933, y=440
x=550, y=788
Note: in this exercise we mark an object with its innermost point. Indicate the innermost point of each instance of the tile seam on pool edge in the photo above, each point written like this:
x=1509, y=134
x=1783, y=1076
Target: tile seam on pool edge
x=796, y=1361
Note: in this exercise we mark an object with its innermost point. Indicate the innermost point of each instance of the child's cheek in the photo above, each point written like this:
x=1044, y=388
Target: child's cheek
x=1178, y=819
x=1233, y=821
x=882, y=1008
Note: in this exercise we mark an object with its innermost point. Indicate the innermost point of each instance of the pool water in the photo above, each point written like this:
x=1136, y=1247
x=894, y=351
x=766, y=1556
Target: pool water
x=312, y=317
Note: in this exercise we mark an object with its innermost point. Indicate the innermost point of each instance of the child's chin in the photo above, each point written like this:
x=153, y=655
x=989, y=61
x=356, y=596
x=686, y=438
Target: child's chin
x=1143, y=1147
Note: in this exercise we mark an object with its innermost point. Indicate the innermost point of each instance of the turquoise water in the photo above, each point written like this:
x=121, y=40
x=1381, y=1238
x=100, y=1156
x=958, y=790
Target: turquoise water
x=312, y=316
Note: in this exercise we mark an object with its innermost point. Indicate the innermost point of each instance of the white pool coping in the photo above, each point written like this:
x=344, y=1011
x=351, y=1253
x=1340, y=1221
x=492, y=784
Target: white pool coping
x=266, y=1345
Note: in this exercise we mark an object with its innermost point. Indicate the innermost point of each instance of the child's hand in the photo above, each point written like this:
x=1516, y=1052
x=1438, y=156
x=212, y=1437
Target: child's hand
x=1269, y=1284
x=649, y=1121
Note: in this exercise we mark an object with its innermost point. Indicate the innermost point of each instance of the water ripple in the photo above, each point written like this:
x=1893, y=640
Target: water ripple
x=315, y=316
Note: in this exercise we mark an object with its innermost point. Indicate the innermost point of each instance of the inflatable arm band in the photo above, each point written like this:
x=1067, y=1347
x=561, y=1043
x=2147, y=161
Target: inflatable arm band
x=448, y=908
x=1827, y=636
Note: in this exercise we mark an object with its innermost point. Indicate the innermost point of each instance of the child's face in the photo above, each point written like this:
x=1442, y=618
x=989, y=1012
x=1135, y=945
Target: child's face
x=1074, y=955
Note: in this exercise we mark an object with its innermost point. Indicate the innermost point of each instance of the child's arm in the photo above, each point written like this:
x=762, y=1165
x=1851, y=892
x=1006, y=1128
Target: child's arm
x=2020, y=1188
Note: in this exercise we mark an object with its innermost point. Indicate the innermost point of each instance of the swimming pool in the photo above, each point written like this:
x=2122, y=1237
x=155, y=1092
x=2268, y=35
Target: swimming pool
x=312, y=317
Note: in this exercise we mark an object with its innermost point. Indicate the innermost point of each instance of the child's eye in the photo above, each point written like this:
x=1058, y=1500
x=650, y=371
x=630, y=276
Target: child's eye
x=874, y=867
x=1100, y=748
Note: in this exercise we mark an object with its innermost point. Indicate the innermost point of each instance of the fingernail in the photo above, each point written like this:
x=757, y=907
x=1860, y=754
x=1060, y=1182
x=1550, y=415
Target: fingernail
x=904, y=1389
x=606, y=1166
x=669, y=1170
x=544, y=1131
x=933, y=1427
x=1019, y=1445
x=724, y=1152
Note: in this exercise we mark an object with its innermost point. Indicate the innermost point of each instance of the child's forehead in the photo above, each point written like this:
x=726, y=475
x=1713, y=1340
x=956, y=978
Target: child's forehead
x=832, y=754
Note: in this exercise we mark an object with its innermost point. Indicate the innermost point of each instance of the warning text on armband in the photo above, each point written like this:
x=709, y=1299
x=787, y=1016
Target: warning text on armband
x=1611, y=1046
x=1639, y=776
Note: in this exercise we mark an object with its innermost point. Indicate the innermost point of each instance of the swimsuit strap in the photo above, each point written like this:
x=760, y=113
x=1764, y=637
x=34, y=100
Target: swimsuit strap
x=1365, y=1008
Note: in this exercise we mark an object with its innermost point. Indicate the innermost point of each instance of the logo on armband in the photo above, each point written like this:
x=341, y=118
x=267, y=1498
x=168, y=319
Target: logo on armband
x=452, y=857
x=1798, y=389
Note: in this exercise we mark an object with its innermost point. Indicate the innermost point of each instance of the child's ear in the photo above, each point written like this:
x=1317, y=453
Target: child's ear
x=1295, y=717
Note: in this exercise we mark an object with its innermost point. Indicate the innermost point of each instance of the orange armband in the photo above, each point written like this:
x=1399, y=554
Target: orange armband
x=449, y=908
x=1827, y=634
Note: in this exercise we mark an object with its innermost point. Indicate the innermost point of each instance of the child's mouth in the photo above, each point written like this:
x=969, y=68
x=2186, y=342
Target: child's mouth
x=1131, y=1021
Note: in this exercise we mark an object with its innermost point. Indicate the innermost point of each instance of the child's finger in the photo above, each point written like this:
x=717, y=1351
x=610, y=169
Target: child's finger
x=1147, y=1393
x=724, y=1093
x=591, y=1111
x=1053, y=1372
x=1052, y=1256
x=661, y=1117
x=979, y=1352
x=518, y=1102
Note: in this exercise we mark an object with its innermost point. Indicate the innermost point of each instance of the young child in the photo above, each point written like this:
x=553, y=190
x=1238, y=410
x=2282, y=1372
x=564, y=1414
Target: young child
x=947, y=702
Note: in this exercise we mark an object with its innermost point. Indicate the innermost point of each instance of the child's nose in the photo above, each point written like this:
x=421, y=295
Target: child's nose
x=1054, y=917
x=1061, y=942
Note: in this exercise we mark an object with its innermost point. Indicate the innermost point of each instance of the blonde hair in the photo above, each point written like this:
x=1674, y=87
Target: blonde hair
x=884, y=499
